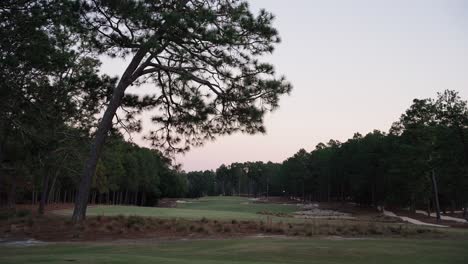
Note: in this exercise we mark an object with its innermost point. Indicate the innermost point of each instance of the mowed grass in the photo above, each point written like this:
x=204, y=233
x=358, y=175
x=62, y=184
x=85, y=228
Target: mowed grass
x=221, y=208
x=247, y=251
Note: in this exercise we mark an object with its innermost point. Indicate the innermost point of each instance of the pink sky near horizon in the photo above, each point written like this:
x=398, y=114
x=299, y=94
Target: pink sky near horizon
x=355, y=67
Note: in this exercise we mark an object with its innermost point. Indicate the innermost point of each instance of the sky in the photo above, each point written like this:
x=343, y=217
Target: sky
x=355, y=66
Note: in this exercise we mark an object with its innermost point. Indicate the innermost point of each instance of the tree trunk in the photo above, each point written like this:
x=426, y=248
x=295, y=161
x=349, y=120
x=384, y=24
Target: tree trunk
x=429, y=208
x=58, y=196
x=93, y=200
x=105, y=125
x=143, y=199
x=436, y=194
x=12, y=194
x=52, y=188
x=465, y=211
x=2, y=147
x=45, y=191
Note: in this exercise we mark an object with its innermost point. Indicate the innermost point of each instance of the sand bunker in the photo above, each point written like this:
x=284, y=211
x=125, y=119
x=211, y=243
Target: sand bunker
x=311, y=211
x=22, y=243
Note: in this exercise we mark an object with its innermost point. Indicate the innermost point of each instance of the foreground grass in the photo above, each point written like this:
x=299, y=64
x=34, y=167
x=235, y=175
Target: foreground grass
x=220, y=208
x=247, y=251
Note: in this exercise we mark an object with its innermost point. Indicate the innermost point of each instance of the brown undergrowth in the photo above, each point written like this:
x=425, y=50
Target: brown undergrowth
x=102, y=228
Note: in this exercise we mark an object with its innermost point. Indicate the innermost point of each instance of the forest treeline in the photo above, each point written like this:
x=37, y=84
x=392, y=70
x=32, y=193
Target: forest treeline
x=394, y=168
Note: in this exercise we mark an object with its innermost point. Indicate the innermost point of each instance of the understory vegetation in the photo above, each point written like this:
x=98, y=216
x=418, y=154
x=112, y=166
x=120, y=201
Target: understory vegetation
x=53, y=228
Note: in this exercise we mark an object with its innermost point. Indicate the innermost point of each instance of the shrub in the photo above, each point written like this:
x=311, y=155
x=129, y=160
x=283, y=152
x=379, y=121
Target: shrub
x=135, y=221
x=30, y=221
x=23, y=213
x=110, y=227
x=226, y=229
x=181, y=227
x=120, y=217
x=5, y=215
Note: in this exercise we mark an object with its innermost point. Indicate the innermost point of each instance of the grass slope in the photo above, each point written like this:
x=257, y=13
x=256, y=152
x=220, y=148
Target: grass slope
x=248, y=251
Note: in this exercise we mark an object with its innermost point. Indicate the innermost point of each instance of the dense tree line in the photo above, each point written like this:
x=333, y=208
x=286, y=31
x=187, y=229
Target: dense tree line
x=126, y=174
x=426, y=148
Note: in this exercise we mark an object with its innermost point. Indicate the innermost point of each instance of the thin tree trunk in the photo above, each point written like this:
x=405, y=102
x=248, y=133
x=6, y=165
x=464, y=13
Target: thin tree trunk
x=52, y=188
x=465, y=211
x=143, y=199
x=436, y=194
x=429, y=208
x=45, y=191
x=59, y=193
x=93, y=200
x=2, y=147
x=136, y=198
x=12, y=194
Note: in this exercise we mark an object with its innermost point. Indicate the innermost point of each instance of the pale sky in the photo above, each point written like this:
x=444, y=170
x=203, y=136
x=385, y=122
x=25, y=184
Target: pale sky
x=355, y=66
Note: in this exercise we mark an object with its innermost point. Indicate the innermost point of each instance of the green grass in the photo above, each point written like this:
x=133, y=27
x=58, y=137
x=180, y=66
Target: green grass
x=221, y=208
x=248, y=251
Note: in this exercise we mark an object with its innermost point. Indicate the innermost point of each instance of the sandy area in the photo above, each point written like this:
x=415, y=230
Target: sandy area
x=411, y=220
